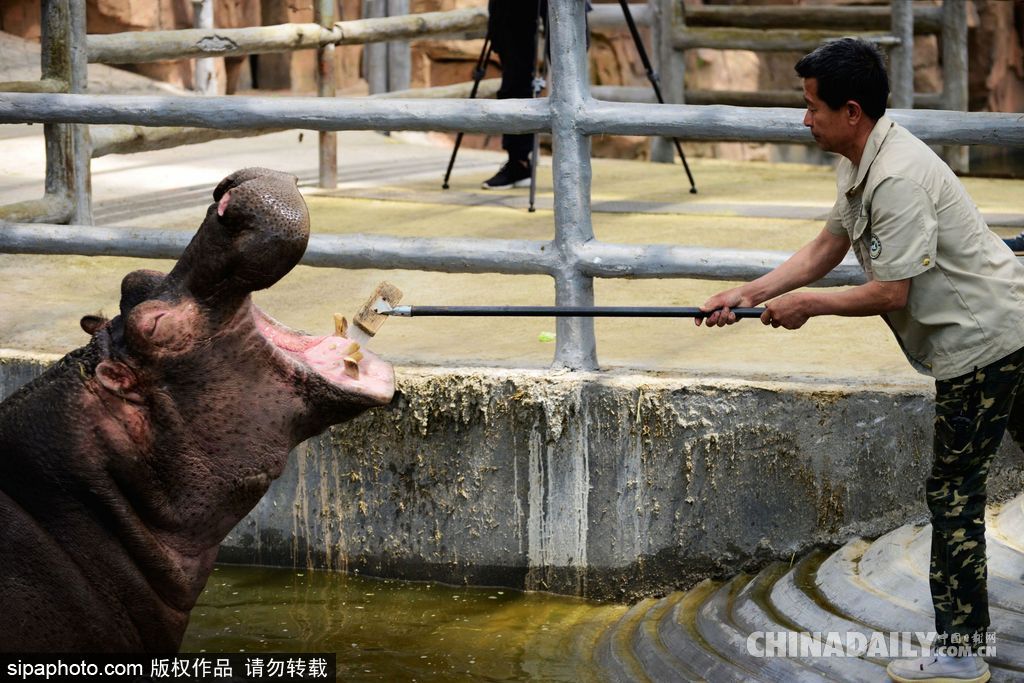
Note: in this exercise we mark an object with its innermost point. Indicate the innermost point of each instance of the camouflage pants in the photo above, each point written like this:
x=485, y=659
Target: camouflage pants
x=971, y=414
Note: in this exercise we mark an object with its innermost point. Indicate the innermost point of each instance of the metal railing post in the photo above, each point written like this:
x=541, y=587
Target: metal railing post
x=576, y=347
x=901, y=58
x=668, y=18
x=954, y=71
x=67, y=145
x=325, y=87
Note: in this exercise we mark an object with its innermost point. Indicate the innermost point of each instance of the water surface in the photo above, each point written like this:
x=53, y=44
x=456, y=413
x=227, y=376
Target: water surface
x=384, y=630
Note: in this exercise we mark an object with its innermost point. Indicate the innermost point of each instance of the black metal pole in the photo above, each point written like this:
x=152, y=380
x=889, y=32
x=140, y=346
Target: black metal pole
x=567, y=311
x=653, y=78
x=478, y=74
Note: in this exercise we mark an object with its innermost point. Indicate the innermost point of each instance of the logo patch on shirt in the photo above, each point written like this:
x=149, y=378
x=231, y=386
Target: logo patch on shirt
x=876, y=247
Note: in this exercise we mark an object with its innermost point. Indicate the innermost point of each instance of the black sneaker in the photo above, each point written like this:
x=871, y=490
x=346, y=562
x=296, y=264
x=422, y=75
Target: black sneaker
x=512, y=174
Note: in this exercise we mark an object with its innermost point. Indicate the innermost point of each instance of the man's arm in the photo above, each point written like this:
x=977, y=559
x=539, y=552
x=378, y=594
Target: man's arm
x=872, y=298
x=814, y=260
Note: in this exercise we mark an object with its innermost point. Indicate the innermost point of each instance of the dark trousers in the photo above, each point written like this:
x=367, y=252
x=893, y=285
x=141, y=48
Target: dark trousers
x=512, y=27
x=972, y=412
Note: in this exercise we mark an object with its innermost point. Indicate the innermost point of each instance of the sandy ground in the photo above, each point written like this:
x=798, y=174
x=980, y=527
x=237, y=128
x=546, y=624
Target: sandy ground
x=392, y=186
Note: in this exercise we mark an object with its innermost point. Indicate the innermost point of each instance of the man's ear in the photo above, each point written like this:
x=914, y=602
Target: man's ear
x=118, y=379
x=854, y=112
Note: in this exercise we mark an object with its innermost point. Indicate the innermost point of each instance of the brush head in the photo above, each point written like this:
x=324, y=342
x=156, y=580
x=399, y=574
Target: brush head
x=369, y=320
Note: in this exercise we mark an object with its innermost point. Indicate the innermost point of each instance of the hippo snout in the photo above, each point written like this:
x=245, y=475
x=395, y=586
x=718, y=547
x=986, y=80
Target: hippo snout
x=255, y=232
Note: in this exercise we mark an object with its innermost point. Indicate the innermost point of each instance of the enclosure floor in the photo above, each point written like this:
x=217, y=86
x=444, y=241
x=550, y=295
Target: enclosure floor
x=392, y=185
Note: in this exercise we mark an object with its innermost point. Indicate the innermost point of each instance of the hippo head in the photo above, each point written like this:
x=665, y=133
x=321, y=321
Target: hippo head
x=204, y=385
x=126, y=463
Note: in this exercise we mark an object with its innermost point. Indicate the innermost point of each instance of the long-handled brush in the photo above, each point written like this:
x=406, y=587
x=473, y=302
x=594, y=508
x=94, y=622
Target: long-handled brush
x=385, y=309
x=368, y=318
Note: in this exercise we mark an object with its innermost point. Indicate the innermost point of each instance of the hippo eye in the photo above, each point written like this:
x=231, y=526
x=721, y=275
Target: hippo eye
x=158, y=325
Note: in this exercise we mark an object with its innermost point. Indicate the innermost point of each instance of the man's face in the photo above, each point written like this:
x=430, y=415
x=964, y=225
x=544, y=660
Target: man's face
x=831, y=129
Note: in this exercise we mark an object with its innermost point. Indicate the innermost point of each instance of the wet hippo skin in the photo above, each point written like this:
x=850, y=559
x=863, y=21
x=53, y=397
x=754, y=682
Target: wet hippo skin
x=124, y=466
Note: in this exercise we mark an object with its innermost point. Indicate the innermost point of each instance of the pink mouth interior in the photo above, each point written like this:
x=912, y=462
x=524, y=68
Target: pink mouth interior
x=325, y=355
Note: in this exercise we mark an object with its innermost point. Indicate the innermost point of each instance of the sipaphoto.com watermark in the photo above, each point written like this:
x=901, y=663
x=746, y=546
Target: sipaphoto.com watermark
x=881, y=644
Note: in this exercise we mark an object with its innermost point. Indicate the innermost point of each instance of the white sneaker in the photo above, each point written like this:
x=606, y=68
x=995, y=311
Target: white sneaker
x=939, y=669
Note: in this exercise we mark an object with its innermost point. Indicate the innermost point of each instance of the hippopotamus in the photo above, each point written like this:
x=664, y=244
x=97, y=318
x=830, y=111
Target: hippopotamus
x=126, y=463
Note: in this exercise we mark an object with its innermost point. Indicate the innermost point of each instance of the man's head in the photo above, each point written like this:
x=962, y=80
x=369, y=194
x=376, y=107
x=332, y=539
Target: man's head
x=846, y=88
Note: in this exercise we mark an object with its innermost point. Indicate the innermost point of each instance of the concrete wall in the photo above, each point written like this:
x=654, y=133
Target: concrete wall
x=596, y=484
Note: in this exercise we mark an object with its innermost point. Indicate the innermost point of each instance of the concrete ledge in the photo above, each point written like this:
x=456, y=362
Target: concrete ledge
x=605, y=485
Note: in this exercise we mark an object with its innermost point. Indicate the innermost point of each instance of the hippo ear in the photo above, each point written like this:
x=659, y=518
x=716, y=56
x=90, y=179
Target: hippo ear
x=93, y=323
x=119, y=379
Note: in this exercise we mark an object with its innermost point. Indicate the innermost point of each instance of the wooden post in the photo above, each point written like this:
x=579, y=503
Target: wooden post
x=954, y=71
x=399, y=54
x=67, y=145
x=901, y=57
x=668, y=19
x=134, y=47
x=375, y=55
x=204, y=74
x=325, y=87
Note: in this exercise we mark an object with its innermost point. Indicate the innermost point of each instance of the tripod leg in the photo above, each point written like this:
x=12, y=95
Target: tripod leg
x=653, y=78
x=686, y=166
x=451, y=162
x=536, y=86
x=534, y=160
x=478, y=74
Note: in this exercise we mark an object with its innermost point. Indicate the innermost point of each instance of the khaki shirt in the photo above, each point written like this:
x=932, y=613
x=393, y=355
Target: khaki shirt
x=908, y=216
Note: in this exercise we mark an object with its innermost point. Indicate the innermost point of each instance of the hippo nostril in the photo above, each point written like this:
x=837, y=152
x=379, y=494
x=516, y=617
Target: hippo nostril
x=222, y=205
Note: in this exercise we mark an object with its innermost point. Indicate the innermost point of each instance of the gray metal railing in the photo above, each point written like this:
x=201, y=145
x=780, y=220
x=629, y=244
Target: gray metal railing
x=573, y=258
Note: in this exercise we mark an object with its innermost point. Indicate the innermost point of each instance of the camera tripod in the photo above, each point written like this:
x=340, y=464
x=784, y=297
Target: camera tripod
x=539, y=84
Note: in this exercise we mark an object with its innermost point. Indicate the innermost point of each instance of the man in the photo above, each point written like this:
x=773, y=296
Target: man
x=950, y=290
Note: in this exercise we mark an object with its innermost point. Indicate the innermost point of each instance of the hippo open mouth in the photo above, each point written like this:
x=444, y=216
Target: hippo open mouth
x=355, y=372
x=256, y=230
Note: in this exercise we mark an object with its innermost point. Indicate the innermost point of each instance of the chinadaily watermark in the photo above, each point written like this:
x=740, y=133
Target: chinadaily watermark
x=885, y=645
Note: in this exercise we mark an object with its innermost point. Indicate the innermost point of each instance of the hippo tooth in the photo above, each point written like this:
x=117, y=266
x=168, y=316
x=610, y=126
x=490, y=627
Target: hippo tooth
x=351, y=368
x=351, y=350
x=356, y=355
x=340, y=325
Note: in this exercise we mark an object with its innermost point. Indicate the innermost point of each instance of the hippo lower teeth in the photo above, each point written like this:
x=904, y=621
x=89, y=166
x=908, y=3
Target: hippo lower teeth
x=340, y=325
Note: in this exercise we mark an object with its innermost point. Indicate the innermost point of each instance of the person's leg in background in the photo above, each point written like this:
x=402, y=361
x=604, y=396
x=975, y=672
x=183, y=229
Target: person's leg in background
x=513, y=27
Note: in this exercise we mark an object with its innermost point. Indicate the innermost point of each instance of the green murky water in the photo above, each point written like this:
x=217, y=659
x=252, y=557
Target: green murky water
x=387, y=630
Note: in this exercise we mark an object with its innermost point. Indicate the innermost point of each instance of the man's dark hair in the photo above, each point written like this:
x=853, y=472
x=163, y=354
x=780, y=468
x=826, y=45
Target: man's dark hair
x=848, y=69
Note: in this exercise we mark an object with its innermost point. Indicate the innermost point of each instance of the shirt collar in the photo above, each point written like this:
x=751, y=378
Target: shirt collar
x=871, y=147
